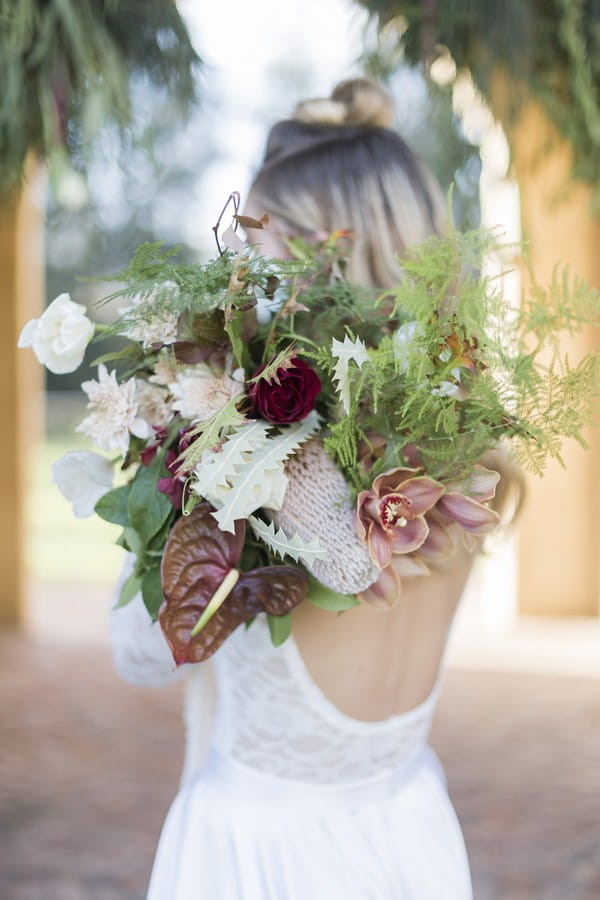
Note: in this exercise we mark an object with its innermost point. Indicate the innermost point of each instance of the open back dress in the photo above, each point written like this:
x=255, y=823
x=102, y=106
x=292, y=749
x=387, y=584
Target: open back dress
x=283, y=796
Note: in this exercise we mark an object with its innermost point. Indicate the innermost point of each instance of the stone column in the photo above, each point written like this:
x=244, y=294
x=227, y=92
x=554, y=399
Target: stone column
x=21, y=377
x=559, y=553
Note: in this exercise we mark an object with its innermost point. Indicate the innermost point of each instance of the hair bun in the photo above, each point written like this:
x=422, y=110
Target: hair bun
x=356, y=102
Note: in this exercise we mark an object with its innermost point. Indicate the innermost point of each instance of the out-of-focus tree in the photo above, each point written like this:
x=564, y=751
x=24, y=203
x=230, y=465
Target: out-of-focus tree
x=67, y=69
x=549, y=50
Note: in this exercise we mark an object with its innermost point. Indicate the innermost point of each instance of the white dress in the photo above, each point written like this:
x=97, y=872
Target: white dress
x=283, y=796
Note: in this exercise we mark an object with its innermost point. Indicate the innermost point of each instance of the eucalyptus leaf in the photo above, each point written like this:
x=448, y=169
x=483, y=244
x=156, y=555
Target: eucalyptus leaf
x=325, y=598
x=157, y=543
x=148, y=509
x=131, y=586
x=112, y=507
x=152, y=591
x=121, y=541
x=280, y=628
x=134, y=542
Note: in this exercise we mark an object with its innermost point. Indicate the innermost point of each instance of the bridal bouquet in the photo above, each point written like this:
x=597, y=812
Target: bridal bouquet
x=273, y=433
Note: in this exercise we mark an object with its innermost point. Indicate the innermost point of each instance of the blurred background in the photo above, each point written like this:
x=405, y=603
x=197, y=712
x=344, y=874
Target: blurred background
x=123, y=122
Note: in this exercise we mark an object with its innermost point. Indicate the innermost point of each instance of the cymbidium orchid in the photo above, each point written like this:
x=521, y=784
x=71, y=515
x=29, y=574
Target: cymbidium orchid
x=465, y=503
x=407, y=521
x=386, y=591
x=391, y=516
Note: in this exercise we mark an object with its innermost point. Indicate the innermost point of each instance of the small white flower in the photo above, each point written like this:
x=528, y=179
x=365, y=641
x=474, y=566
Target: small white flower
x=198, y=392
x=451, y=388
x=403, y=340
x=266, y=307
x=159, y=327
x=83, y=477
x=115, y=412
x=153, y=403
x=59, y=337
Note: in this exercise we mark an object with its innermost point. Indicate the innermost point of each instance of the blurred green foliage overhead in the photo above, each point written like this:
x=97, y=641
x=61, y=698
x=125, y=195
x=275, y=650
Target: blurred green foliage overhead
x=67, y=67
x=550, y=49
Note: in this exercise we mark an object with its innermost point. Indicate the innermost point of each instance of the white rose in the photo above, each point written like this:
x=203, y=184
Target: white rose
x=59, y=337
x=83, y=477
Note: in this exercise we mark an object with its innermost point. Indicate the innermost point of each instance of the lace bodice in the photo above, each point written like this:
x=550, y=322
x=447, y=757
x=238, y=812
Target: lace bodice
x=258, y=704
x=270, y=715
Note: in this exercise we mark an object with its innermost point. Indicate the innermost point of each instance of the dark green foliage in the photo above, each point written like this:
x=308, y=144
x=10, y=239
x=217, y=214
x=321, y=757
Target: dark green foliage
x=67, y=67
x=549, y=47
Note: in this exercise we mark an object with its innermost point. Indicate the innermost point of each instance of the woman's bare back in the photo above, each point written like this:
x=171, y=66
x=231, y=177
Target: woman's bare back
x=374, y=663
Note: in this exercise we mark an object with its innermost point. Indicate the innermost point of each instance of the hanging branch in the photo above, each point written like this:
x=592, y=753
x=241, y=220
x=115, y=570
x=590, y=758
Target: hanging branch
x=67, y=67
x=549, y=48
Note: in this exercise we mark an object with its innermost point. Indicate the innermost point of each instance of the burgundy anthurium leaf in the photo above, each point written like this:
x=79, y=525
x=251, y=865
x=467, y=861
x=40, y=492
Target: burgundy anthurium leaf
x=197, y=558
x=276, y=589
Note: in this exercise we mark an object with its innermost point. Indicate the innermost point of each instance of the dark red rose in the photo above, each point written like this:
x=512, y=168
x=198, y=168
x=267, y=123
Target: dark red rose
x=291, y=399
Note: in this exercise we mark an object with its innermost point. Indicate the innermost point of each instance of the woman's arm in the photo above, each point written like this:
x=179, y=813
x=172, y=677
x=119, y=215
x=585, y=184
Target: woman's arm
x=140, y=651
x=142, y=657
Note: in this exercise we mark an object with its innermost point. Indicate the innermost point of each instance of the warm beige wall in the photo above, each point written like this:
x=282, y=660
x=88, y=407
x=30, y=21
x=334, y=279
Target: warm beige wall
x=559, y=552
x=21, y=377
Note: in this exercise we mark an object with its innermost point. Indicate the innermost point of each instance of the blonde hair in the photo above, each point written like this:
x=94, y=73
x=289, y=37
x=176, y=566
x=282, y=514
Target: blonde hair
x=338, y=165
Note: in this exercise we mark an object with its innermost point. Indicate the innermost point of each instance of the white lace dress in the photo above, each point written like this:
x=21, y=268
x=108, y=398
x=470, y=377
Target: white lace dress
x=283, y=796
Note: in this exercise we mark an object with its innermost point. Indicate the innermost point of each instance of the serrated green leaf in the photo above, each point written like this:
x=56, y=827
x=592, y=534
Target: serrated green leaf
x=152, y=592
x=220, y=465
x=112, y=507
x=325, y=598
x=206, y=434
x=344, y=351
x=148, y=509
x=282, y=361
x=241, y=499
x=277, y=540
x=280, y=628
x=131, y=586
